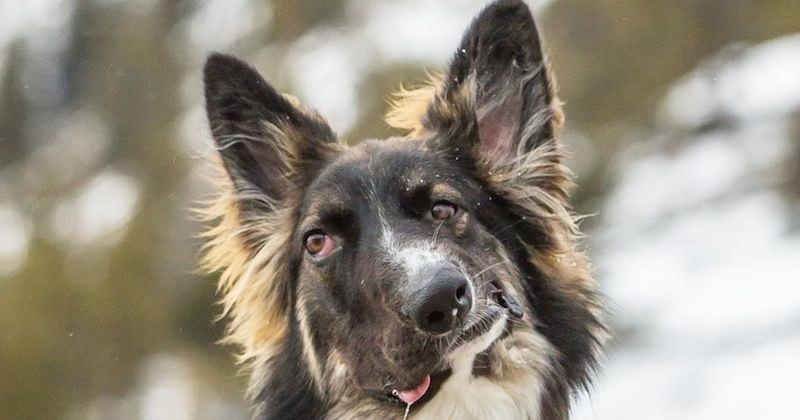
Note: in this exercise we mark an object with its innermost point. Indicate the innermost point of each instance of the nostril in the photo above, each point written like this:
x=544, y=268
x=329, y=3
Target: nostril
x=443, y=298
x=460, y=293
x=463, y=302
x=435, y=317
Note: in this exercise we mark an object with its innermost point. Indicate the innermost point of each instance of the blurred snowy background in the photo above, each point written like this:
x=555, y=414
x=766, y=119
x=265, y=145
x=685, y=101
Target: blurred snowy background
x=683, y=119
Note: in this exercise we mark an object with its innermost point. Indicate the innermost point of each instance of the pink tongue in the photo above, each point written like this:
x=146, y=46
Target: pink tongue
x=412, y=395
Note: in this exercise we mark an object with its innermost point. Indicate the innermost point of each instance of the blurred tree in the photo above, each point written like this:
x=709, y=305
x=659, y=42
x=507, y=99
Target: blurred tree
x=78, y=321
x=12, y=110
x=615, y=59
x=295, y=17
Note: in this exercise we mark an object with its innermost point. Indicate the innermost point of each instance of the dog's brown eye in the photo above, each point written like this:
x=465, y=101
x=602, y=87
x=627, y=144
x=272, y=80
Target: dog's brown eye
x=319, y=244
x=443, y=211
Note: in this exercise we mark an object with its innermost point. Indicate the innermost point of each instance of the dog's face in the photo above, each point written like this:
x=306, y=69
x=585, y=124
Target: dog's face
x=398, y=263
x=386, y=259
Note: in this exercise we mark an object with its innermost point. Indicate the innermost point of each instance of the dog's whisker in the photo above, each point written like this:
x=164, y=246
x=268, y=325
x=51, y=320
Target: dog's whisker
x=489, y=268
x=379, y=320
x=436, y=233
x=509, y=226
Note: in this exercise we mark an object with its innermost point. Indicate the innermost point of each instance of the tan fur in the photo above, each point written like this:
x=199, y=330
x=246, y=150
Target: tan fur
x=538, y=179
x=519, y=364
x=247, y=277
x=512, y=390
x=313, y=362
x=409, y=106
x=250, y=280
x=445, y=191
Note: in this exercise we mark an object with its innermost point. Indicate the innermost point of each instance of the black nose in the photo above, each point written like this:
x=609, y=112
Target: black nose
x=443, y=299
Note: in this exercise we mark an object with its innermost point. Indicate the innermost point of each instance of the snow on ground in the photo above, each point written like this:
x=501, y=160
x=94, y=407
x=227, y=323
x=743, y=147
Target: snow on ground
x=698, y=256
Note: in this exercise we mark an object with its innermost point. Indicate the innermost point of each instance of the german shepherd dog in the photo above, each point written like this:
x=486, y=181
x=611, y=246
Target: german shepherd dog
x=438, y=272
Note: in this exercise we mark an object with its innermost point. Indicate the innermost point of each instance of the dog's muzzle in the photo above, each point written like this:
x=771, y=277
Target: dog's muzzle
x=442, y=300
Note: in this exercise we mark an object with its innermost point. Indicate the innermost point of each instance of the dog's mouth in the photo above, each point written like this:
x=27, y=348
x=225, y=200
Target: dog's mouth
x=498, y=303
x=411, y=396
x=505, y=300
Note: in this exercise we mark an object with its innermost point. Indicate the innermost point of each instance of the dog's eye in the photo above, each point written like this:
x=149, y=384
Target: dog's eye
x=443, y=210
x=319, y=244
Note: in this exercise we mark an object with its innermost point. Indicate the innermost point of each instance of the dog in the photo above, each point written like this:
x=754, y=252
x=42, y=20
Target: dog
x=437, y=275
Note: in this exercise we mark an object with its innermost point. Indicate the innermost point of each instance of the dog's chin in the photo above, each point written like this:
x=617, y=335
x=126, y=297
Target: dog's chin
x=490, y=320
x=480, y=326
x=488, y=325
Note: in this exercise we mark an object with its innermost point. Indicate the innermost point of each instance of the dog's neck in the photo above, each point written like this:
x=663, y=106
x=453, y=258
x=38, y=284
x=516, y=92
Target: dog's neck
x=510, y=385
x=504, y=392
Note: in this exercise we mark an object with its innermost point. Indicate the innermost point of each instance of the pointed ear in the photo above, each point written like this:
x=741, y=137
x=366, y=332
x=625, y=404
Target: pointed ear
x=496, y=101
x=266, y=140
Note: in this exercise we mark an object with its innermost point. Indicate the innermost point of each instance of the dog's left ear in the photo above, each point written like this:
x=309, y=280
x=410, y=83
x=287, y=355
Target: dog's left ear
x=267, y=140
x=497, y=101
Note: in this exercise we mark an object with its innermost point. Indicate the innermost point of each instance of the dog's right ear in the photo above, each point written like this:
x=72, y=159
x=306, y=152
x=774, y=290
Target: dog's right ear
x=267, y=141
x=496, y=104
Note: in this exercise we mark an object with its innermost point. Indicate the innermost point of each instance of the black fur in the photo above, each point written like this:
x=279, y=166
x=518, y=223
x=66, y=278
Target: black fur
x=288, y=392
x=495, y=105
x=502, y=52
x=239, y=103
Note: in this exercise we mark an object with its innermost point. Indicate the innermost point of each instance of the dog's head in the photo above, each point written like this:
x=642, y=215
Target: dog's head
x=389, y=258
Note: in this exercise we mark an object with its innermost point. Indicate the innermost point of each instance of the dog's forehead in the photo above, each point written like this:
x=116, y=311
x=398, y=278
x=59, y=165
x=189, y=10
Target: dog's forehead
x=373, y=173
x=395, y=151
x=376, y=166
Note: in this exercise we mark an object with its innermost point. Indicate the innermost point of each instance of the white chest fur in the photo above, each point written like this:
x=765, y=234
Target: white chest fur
x=464, y=396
